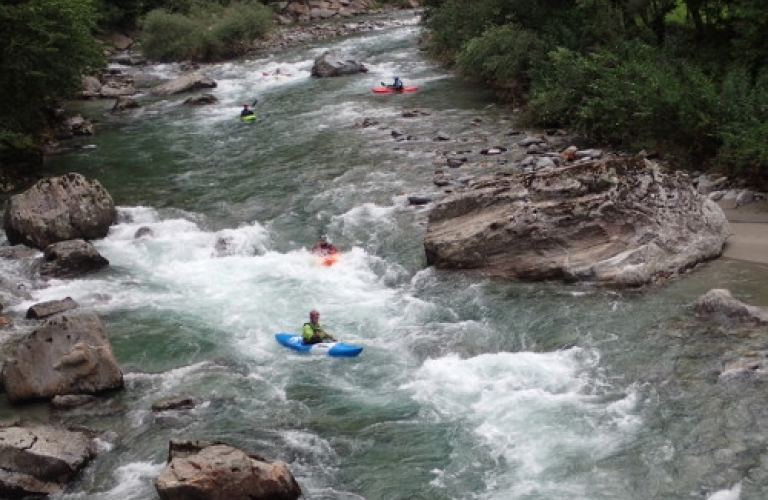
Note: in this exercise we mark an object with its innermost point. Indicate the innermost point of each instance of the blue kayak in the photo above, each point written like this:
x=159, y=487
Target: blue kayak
x=338, y=349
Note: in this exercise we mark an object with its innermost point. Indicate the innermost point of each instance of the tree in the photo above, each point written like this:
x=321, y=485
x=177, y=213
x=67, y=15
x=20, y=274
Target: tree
x=46, y=47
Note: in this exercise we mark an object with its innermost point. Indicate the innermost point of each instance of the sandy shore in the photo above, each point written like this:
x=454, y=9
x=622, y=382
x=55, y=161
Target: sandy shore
x=749, y=232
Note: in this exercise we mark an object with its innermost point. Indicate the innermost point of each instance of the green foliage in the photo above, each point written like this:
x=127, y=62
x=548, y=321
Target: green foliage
x=457, y=22
x=239, y=25
x=173, y=37
x=630, y=96
x=502, y=57
x=685, y=77
x=16, y=147
x=47, y=46
x=204, y=33
x=749, y=21
x=744, y=125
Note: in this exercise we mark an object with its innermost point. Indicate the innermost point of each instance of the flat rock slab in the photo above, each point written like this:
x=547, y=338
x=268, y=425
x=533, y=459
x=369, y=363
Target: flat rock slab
x=40, y=460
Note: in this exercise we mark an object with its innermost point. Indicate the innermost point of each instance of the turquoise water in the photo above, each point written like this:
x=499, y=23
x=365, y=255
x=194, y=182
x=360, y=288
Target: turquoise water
x=466, y=388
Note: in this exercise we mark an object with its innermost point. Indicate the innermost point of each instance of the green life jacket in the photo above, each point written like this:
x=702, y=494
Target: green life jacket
x=315, y=330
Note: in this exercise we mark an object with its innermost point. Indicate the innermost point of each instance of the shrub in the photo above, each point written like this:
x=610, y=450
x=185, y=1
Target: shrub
x=559, y=86
x=630, y=96
x=239, y=25
x=744, y=126
x=457, y=22
x=204, y=33
x=502, y=57
x=172, y=37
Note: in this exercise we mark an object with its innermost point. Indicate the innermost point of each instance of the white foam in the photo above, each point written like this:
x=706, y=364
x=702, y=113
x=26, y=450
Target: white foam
x=133, y=481
x=731, y=494
x=531, y=410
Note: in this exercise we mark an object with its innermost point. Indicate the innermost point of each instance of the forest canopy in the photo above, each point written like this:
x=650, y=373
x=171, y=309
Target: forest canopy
x=683, y=77
x=46, y=45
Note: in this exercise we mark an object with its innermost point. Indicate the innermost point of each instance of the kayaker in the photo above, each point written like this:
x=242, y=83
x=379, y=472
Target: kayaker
x=324, y=247
x=398, y=85
x=246, y=111
x=313, y=332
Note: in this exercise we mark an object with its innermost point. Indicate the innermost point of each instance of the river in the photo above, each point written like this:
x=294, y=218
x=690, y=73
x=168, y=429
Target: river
x=466, y=389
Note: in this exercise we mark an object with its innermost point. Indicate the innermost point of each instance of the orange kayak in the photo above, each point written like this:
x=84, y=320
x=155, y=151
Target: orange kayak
x=329, y=260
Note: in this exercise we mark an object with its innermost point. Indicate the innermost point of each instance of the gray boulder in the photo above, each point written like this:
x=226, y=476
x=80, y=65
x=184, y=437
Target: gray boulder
x=68, y=354
x=616, y=222
x=215, y=471
x=45, y=309
x=720, y=306
x=335, y=63
x=201, y=100
x=174, y=403
x=58, y=209
x=185, y=83
x=123, y=104
x=39, y=460
x=69, y=259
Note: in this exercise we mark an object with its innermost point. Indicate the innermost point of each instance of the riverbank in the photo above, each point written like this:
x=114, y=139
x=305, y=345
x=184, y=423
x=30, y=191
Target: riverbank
x=749, y=232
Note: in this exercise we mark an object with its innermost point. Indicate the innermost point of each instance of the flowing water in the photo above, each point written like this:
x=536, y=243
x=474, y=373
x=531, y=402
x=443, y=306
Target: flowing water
x=467, y=388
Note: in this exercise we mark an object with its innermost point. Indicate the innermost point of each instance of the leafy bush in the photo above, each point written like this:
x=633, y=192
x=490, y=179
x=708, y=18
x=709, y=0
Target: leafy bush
x=457, y=22
x=173, y=37
x=204, y=33
x=630, y=96
x=744, y=126
x=239, y=25
x=502, y=57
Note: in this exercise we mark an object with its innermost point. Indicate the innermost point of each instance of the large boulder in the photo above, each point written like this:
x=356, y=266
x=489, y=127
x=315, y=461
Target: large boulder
x=38, y=460
x=68, y=354
x=335, y=63
x=58, y=209
x=618, y=222
x=215, y=471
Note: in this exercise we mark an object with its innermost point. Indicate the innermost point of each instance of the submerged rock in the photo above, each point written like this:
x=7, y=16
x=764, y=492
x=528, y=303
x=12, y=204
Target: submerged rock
x=720, y=306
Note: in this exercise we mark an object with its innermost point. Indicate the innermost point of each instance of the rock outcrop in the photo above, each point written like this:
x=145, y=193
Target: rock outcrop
x=216, y=471
x=57, y=209
x=68, y=354
x=618, y=222
x=40, y=460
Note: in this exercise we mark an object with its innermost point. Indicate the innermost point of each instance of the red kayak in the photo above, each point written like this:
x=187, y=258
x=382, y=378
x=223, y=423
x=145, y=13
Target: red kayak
x=390, y=90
